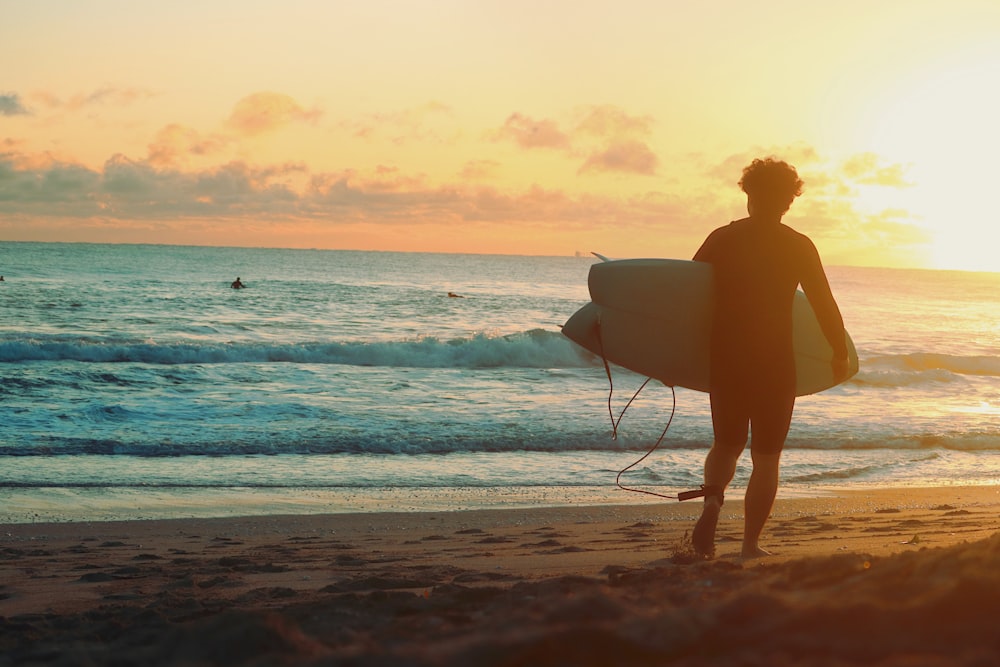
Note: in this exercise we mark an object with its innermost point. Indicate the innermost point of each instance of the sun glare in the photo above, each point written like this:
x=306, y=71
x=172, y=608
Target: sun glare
x=942, y=126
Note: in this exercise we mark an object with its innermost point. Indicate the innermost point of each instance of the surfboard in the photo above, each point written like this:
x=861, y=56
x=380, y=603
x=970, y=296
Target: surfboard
x=653, y=317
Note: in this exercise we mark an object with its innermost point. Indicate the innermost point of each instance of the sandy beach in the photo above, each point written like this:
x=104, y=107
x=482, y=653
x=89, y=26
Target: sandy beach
x=883, y=577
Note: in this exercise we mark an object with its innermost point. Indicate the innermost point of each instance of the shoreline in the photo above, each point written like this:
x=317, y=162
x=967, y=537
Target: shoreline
x=76, y=505
x=511, y=586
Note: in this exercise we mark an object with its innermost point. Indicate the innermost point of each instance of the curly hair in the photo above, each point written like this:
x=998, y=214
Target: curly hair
x=773, y=184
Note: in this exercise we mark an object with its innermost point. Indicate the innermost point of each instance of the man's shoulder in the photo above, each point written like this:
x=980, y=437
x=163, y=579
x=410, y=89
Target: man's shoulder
x=734, y=227
x=796, y=236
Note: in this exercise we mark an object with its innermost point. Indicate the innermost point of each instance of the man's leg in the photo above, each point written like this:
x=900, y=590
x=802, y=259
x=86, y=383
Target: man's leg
x=771, y=421
x=720, y=466
x=761, y=490
x=731, y=424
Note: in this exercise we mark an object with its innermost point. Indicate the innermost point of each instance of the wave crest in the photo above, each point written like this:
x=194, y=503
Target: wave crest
x=536, y=348
x=901, y=370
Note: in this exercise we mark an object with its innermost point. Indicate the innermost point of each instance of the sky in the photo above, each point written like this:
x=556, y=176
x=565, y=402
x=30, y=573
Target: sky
x=541, y=127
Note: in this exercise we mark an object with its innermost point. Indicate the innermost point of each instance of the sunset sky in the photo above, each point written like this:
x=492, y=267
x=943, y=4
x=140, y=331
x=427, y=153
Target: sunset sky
x=507, y=126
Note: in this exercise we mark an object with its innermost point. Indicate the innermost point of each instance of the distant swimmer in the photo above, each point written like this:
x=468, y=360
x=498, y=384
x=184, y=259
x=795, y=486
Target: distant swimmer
x=455, y=296
x=237, y=284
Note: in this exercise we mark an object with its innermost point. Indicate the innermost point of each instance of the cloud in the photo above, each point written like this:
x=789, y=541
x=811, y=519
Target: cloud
x=117, y=95
x=155, y=203
x=608, y=139
x=120, y=96
x=237, y=186
x=611, y=122
x=475, y=170
x=627, y=156
x=186, y=180
x=264, y=112
x=431, y=122
x=11, y=105
x=127, y=189
x=847, y=236
x=175, y=145
x=529, y=133
x=175, y=142
x=254, y=115
x=865, y=169
x=57, y=190
x=137, y=189
x=133, y=190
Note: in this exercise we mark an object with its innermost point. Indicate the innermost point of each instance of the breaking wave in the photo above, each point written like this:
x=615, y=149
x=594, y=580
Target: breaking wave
x=536, y=348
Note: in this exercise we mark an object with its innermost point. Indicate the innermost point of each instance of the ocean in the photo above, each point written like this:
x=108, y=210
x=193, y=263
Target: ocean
x=135, y=383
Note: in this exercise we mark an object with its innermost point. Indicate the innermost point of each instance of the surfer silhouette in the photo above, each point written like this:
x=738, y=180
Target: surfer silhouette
x=237, y=284
x=758, y=263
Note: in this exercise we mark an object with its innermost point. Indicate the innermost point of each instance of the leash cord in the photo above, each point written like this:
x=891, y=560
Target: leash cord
x=673, y=410
x=616, y=422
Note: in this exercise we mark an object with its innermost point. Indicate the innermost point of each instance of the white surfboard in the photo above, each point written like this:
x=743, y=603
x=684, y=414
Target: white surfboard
x=653, y=317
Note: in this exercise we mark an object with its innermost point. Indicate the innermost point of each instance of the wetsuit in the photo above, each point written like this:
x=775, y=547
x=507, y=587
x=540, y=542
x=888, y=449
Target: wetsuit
x=758, y=264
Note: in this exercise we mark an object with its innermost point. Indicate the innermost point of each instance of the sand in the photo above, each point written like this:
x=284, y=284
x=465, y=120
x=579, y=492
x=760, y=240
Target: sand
x=886, y=577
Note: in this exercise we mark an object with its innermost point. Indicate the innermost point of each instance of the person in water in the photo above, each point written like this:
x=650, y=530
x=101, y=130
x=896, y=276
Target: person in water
x=237, y=284
x=758, y=263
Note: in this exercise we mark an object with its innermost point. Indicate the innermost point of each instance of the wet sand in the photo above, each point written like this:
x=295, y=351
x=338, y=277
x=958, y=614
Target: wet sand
x=885, y=577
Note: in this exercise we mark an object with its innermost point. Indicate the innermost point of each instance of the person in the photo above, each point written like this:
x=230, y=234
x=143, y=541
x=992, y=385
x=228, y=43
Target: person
x=237, y=284
x=758, y=263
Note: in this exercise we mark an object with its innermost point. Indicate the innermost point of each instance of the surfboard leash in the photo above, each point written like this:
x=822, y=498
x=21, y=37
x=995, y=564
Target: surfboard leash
x=685, y=495
x=611, y=385
x=618, y=479
x=611, y=382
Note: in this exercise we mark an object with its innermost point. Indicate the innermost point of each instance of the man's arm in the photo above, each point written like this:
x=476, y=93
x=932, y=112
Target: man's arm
x=817, y=289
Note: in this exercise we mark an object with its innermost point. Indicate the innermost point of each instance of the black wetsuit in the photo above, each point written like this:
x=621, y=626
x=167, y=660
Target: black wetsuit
x=758, y=264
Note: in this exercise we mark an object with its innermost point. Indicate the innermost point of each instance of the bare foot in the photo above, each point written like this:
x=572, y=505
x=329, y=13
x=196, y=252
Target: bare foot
x=754, y=552
x=703, y=536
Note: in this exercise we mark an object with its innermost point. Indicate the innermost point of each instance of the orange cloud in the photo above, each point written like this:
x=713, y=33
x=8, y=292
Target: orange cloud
x=127, y=189
x=173, y=142
x=169, y=188
x=475, y=170
x=626, y=156
x=607, y=135
x=432, y=122
x=152, y=203
x=614, y=123
x=529, y=133
x=264, y=112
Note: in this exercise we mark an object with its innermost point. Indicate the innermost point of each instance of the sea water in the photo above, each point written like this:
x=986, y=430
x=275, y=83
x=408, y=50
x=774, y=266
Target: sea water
x=134, y=383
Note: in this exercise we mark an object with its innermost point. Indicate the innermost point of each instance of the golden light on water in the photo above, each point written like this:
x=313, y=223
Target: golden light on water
x=982, y=408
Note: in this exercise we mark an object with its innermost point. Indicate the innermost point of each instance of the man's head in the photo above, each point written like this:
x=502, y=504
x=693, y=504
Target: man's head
x=771, y=186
